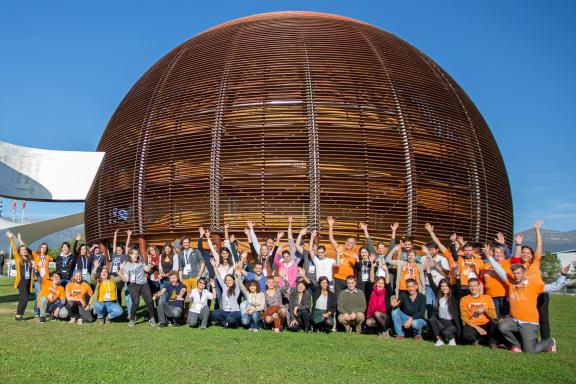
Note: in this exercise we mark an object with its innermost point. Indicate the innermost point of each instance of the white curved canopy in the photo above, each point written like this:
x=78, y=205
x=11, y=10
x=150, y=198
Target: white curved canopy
x=46, y=175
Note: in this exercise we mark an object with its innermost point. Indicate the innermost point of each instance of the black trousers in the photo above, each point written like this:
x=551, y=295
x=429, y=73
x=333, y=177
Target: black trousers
x=445, y=329
x=303, y=319
x=542, y=305
x=75, y=310
x=470, y=335
x=137, y=291
x=23, y=296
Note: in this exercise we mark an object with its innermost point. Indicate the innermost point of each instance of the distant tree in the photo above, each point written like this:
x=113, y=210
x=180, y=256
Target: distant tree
x=550, y=267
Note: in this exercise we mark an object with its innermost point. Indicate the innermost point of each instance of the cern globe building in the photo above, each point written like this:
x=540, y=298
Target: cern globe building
x=302, y=114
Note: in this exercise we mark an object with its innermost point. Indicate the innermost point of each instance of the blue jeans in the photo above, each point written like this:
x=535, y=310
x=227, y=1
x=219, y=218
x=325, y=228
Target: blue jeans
x=501, y=305
x=128, y=297
x=430, y=301
x=108, y=307
x=227, y=318
x=399, y=318
x=251, y=321
x=36, y=294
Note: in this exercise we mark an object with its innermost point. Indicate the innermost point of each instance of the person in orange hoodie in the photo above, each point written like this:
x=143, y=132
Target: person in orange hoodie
x=24, y=274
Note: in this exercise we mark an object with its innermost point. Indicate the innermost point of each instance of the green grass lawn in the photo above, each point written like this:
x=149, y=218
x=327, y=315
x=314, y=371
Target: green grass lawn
x=59, y=352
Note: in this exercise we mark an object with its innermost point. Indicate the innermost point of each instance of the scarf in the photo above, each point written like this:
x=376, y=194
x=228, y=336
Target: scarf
x=377, y=301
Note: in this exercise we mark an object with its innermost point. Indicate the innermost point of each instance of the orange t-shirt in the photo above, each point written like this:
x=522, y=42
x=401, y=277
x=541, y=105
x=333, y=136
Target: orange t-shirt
x=533, y=269
x=493, y=286
x=78, y=291
x=47, y=290
x=469, y=268
x=347, y=263
x=41, y=267
x=469, y=305
x=409, y=271
x=523, y=300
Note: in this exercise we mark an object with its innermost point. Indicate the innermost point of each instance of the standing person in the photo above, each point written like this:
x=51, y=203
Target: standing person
x=478, y=315
x=323, y=263
x=523, y=293
x=299, y=305
x=133, y=273
x=305, y=257
x=445, y=319
x=104, y=300
x=99, y=258
x=406, y=270
x=199, y=304
x=263, y=253
x=190, y=265
x=153, y=258
x=168, y=263
x=324, y=306
x=52, y=299
x=256, y=303
x=224, y=262
x=363, y=268
x=117, y=259
x=469, y=267
x=287, y=264
x=173, y=307
x=346, y=255
x=377, y=314
x=2, y=258
x=494, y=286
x=24, y=274
x=409, y=310
x=78, y=294
x=381, y=251
x=351, y=306
x=275, y=312
x=81, y=258
x=41, y=260
x=65, y=264
x=229, y=313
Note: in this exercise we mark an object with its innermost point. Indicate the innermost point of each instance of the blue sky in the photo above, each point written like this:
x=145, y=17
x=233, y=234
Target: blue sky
x=66, y=65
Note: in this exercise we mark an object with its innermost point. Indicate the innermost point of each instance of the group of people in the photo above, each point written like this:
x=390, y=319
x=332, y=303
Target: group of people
x=465, y=293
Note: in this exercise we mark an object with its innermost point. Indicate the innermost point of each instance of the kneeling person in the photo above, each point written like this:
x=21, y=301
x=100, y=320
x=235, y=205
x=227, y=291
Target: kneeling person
x=351, y=306
x=104, y=301
x=78, y=294
x=52, y=299
x=174, y=305
x=410, y=309
x=199, y=308
x=478, y=312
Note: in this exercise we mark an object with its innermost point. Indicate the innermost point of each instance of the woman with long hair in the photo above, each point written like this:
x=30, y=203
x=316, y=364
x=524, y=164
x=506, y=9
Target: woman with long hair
x=65, y=264
x=256, y=303
x=168, y=263
x=324, y=305
x=133, y=273
x=379, y=299
x=24, y=274
x=300, y=305
x=228, y=315
x=103, y=301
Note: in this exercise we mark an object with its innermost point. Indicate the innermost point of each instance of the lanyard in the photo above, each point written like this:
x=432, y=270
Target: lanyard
x=26, y=269
x=83, y=262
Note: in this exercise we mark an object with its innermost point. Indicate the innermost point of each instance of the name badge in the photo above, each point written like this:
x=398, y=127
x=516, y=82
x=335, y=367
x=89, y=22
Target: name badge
x=132, y=278
x=42, y=271
x=27, y=275
x=107, y=296
x=471, y=275
x=364, y=276
x=84, y=272
x=312, y=268
x=187, y=270
x=114, y=269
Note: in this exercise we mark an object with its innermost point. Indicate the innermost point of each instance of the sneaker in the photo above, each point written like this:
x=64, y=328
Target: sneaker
x=36, y=316
x=80, y=321
x=358, y=330
x=72, y=320
x=52, y=317
x=43, y=319
x=439, y=343
x=256, y=330
x=553, y=346
x=515, y=349
x=19, y=318
x=131, y=323
x=106, y=319
x=418, y=338
x=384, y=335
x=203, y=328
x=276, y=330
x=100, y=321
x=161, y=325
x=152, y=322
x=452, y=342
x=347, y=328
x=493, y=346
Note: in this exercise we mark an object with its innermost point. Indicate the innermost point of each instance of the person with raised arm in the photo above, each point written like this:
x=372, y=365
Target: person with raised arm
x=478, y=315
x=287, y=263
x=224, y=263
x=324, y=265
x=228, y=315
x=379, y=301
x=133, y=273
x=409, y=309
x=190, y=265
x=351, y=306
x=493, y=285
x=199, y=299
x=253, y=239
x=81, y=258
x=257, y=275
x=256, y=303
x=117, y=259
x=381, y=251
x=445, y=319
x=305, y=261
x=523, y=292
x=168, y=263
x=441, y=270
x=41, y=261
x=324, y=306
x=104, y=300
x=52, y=299
x=65, y=263
x=406, y=269
x=24, y=274
x=173, y=307
x=275, y=312
x=469, y=267
x=262, y=254
x=347, y=256
x=78, y=294
x=300, y=305
x=97, y=257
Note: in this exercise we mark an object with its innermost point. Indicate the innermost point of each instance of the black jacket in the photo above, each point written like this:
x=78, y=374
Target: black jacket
x=453, y=302
x=332, y=301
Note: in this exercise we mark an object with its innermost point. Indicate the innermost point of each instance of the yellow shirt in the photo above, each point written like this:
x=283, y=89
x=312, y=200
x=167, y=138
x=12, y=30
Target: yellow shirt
x=107, y=288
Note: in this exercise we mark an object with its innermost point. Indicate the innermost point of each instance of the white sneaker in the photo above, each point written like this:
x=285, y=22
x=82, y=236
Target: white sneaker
x=452, y=342
x=72, y=320
x=79, y=322
x=439, y=343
